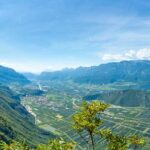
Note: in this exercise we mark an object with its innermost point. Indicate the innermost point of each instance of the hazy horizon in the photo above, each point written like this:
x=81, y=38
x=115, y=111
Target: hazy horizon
x=50, y=70
x=55, y=34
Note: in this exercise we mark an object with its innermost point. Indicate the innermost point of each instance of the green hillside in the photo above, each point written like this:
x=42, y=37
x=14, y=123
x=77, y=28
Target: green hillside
x=8, y=75
x=16, y=123
x=128, y=98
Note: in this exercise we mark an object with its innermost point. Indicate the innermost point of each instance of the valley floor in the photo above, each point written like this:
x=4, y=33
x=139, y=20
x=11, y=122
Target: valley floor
x=53, y=112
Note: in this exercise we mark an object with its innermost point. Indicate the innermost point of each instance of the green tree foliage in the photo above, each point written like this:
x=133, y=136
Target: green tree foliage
x=137, y=141
x=88, y=119
x=57, y=144
x=116, y=142
x=14, y=146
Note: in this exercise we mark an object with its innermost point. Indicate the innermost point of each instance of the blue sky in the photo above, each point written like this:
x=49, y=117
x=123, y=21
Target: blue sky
x=37, y=35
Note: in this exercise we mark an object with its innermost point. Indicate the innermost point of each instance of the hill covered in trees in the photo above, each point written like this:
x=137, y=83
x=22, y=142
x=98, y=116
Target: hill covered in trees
x=16, y=123
x=128, y=98
x=8, y=75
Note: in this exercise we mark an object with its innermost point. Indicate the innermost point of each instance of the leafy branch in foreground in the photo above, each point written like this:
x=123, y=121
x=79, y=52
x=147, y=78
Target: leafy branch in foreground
x=57, y=144
x=116, y=142
x=14, y=146
x=137, y=141
x=88, y=119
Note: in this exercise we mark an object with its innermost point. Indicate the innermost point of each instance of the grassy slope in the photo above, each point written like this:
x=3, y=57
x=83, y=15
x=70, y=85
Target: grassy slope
x=17, y=123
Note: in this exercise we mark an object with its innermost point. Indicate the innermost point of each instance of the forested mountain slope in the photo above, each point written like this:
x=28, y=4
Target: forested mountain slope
x=8, y=75
x=129, y=98
x=16, y=123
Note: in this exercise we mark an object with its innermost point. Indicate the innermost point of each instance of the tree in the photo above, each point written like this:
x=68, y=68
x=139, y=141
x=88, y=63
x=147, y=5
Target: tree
x=14, y=146
x=88, y=119
x=57, y=144
x=137, y=141
x=116, y=142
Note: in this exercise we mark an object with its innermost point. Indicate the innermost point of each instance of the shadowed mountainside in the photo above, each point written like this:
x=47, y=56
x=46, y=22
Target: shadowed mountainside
x=125, y=71
x=128, y=98
x=8, y=75
x=16, y=123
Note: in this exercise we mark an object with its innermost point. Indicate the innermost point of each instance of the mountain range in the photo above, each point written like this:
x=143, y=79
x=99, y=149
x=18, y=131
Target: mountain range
x=125, y=71
x=17, y=124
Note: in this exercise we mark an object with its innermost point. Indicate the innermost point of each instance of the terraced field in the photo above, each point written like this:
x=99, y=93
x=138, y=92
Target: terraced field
x=54, y=110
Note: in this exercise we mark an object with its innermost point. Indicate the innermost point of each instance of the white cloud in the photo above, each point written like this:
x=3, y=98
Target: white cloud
x=129, y=55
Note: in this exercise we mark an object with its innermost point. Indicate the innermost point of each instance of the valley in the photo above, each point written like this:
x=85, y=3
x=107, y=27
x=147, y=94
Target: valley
x=37, y=108
x=75, y=75
x=54, y=109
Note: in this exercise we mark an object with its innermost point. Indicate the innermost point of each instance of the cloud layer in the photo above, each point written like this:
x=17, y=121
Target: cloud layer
x=129, y=55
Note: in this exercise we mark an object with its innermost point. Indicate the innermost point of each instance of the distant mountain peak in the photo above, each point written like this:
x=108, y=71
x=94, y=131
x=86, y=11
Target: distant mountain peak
x=127, y=71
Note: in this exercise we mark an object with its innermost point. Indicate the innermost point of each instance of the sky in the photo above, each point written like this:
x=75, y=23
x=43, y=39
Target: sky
x=37, y=35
